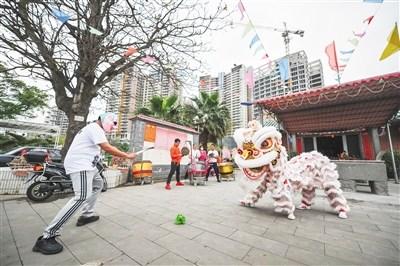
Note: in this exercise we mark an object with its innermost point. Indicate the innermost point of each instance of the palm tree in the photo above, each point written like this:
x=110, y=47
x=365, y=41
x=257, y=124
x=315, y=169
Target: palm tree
x=166, y=108
x=209, y=116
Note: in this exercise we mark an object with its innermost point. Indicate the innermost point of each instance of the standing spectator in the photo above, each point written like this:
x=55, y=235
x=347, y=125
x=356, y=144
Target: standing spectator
x=195, y=153
x=203, y=154
x=226, y=154
x=213, y=159
x=176, y=157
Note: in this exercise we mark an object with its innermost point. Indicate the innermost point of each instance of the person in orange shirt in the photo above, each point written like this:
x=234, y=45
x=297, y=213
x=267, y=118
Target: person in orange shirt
x=175, y=164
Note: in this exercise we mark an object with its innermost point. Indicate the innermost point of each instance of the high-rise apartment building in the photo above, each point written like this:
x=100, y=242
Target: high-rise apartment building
x=132, y=90
x=56, y=117
x=232, y=91
x=303, y=75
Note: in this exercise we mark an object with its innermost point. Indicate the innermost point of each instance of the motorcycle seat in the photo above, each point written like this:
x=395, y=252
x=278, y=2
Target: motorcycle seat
x=58, y=165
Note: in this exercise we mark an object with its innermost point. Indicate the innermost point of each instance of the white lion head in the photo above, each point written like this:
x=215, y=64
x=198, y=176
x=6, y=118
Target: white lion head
x=258, y=149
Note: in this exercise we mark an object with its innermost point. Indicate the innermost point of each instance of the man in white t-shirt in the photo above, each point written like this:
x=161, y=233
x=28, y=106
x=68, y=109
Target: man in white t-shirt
x=80, y=164
x=213, y=162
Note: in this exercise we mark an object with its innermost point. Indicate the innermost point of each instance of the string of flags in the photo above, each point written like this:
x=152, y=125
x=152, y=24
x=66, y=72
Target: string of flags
x=255, y=42
x=338, y=64
x=64, y=18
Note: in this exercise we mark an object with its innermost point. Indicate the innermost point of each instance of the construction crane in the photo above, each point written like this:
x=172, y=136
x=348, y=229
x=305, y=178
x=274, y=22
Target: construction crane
x=285, y=33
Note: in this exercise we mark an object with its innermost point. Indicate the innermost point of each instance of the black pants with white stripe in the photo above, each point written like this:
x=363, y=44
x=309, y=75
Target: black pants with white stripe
x=87, y=185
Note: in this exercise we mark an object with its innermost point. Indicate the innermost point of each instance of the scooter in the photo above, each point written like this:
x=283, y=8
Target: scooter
x=49, y=178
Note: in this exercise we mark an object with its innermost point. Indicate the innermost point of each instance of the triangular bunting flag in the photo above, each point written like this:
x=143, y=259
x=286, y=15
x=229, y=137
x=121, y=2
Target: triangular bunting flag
x=254, y=40
x=259, y=48
x=95, y=31
x=247, y=29
x=148, y=59
x=360, y=35
x=353, y=41
x=130, y=51
x=393, y=45
x=61, y=16
x=241, y=8
x=347, y=52
x=284, y=68
x=368, y=19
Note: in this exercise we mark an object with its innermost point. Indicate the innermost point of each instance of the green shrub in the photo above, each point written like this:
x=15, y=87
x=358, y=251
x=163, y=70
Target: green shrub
x=387, y=157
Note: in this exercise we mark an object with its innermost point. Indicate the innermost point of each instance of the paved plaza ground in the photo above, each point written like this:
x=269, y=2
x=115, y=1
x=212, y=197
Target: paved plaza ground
x=137, y=227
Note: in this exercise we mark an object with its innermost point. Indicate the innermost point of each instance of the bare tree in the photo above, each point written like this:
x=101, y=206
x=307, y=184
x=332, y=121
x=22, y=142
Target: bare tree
x=82, y=51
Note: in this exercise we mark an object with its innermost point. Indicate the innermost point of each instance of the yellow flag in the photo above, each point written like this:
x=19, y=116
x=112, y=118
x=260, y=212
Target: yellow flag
x=393, y=44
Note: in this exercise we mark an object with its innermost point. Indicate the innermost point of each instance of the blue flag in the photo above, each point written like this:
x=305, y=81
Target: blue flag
x=284, y=68
x=347, y=52
x=61, y=16
x=254, y=40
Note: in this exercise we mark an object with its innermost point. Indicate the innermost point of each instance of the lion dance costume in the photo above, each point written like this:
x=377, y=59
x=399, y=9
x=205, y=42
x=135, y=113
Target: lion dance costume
x=263, y=160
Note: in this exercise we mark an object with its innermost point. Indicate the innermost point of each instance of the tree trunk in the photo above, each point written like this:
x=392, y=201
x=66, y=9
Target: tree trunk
x=203, y=138
x=77, y=116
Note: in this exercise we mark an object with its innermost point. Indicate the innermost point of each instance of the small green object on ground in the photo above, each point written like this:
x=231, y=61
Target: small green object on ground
x=180, y=219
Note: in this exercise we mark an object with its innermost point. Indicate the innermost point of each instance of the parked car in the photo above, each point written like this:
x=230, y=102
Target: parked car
x=31, y=154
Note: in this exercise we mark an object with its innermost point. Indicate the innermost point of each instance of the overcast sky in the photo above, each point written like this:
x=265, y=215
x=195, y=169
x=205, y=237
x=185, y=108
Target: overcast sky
x=323, y=22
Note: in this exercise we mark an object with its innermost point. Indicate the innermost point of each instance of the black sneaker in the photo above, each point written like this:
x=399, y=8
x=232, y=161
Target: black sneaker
x=82, y=220
x=47, y=246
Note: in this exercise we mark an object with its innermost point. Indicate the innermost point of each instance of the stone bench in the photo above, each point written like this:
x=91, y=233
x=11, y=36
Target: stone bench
x=372, y=171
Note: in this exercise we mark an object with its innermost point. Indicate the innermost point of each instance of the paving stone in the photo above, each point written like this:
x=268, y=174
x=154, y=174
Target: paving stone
x=245, y=227
x=390, y=229
x=296, y=241
x=29, y=257
x=104, y=210
x=185, y=230
x=153, y=218
x=380, y=251
x=9, y=253
x=215, y=258
x=394, y=235
x=224, y=245
x=119, y=261
x=109, y=230
x=214, y=228
x=356, y=257
x=146, y=230
x=272, y=246
x=27, y=236
x=188, y=249
x=283, y=227
x=170, y=259
x=311, y=258
x=140, y=249
x=72, y=234
x=336, y=240
x=360, y=237
x=6, y=235
x=123, y=219
x=262, y=257
x=94, y=249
